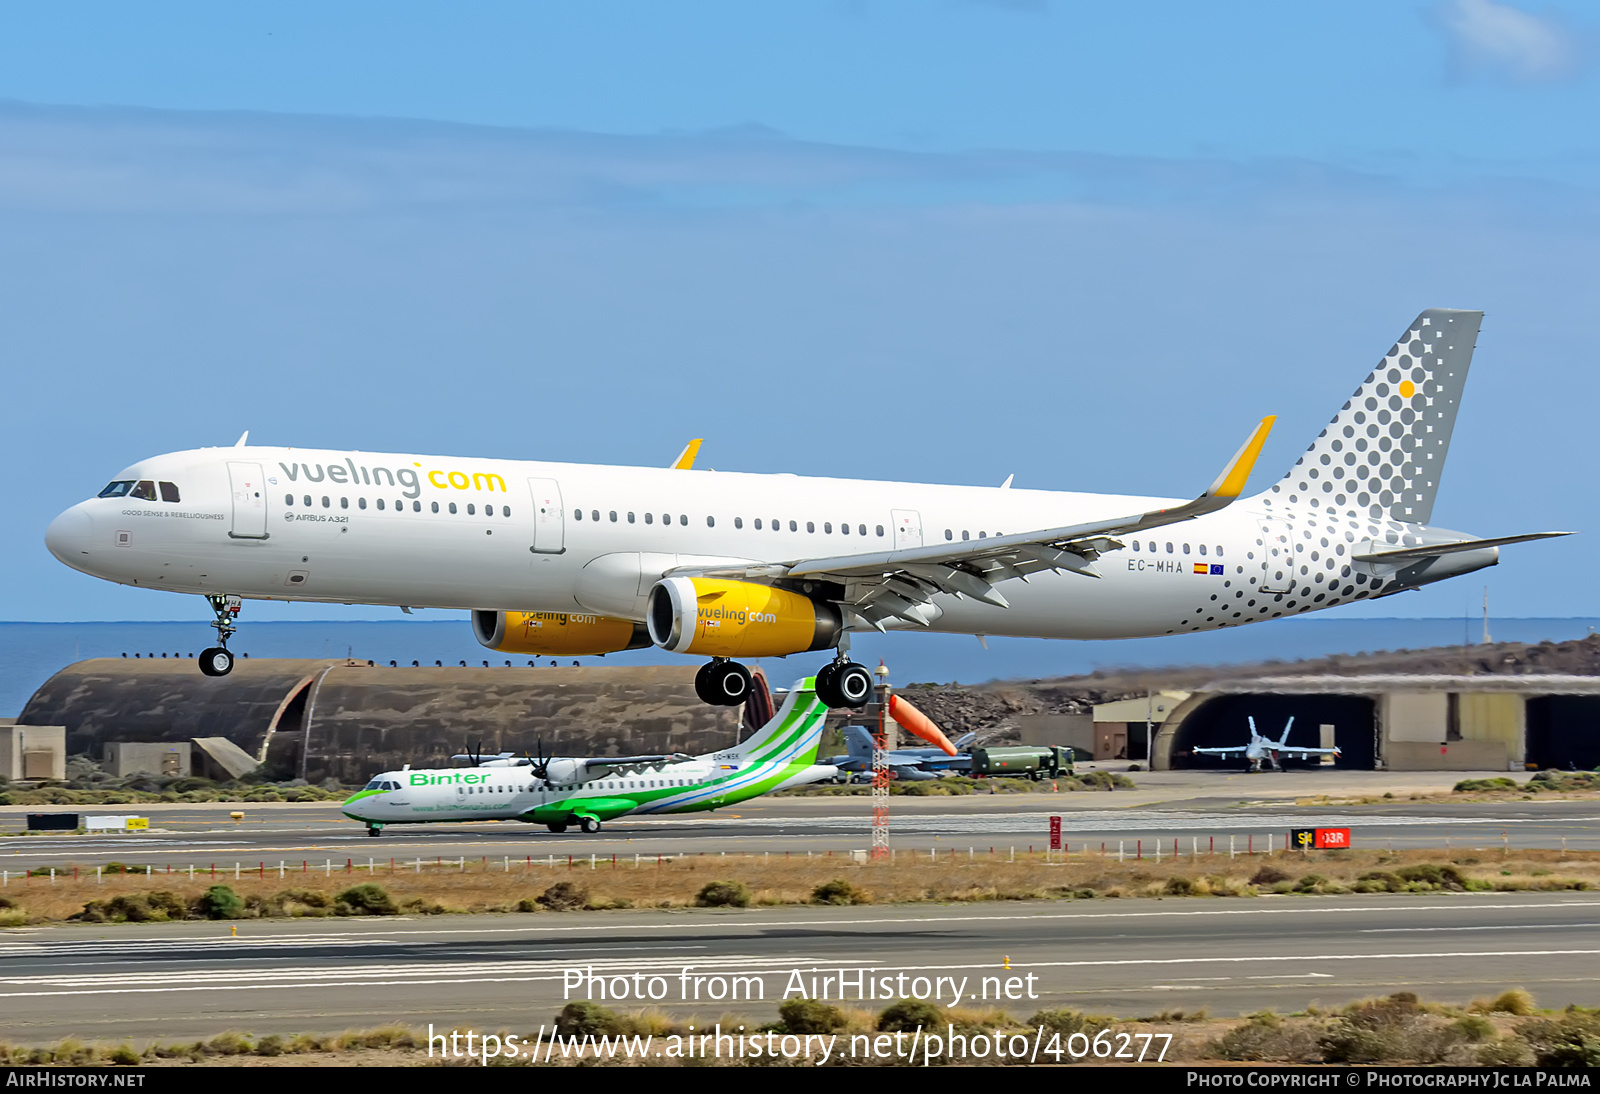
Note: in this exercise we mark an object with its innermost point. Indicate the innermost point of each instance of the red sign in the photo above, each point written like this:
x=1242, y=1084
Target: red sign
x=1332, y=838
x=1055, y=833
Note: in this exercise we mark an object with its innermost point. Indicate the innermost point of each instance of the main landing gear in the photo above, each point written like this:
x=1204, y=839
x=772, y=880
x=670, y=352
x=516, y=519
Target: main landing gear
x=722, y=683
x=844, y=683
x=217, y=661
x=585, y=824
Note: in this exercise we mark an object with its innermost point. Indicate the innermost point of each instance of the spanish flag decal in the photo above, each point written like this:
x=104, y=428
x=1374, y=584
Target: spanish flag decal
x=1201, y=568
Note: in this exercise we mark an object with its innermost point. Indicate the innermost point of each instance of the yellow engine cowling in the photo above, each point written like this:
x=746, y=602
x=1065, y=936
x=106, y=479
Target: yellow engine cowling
x=718, y=618
x=557, y=634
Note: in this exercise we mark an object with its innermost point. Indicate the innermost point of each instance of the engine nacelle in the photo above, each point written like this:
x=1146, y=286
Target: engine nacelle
x=557, y=634
x=718, y=618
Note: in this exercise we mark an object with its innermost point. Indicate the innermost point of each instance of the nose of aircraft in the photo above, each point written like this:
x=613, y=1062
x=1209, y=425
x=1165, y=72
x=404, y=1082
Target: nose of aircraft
x=69, y=536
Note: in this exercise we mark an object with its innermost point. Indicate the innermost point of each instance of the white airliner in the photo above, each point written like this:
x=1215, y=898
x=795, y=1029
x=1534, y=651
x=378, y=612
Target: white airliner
x=586, y=792
x=575, y=559
x=1264, y=750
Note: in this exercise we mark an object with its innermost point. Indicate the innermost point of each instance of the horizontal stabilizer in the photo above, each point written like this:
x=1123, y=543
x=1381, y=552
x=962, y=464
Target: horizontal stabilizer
x=1432, y=550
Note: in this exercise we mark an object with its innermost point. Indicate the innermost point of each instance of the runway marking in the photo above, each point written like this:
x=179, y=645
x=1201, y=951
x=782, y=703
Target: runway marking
x=1492, y=927
x=525, y=972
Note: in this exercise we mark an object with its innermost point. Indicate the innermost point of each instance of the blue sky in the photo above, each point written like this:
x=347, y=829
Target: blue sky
x=1087, y=244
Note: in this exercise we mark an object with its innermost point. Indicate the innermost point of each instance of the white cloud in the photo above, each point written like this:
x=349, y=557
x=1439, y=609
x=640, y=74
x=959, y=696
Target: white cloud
x=1501, y=39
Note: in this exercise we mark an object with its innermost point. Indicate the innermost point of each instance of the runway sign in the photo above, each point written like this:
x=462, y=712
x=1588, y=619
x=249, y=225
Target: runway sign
x=1055, y=833
x=1319, y=839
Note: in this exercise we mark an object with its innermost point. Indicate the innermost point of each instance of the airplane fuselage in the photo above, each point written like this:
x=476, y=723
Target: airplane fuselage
x=442, y=532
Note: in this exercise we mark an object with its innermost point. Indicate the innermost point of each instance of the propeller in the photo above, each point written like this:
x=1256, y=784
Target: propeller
x=541, y=766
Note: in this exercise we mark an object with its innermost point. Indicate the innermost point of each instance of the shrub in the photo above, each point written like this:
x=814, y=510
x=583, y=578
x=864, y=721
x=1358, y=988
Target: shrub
x=1064, y=1022
x=1468, y=785
x=724, y=894
x=123, y=1054
x=837, y=891
x=1310, y=883
x=228, y=1044
x=564, y=896
x=219, y=902
x=368, y=899
x=910, y=1015
x=1516, y=1001
x=810, y=1016
x=270, y=1045
x=1179, y=886
x=1429, y=873
x=1268, y=874
x=581, y=1018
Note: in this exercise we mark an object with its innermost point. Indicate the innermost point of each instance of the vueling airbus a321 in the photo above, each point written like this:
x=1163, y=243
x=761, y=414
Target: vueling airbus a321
x=569, y=559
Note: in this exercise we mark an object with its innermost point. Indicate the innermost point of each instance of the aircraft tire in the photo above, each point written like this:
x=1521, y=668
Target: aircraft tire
x=588, y=824
x=216, y=661
x=703, y=684
x=728, y=683
x=557, y=828
x=373, y=830
x=853, y=682
x=828, y=685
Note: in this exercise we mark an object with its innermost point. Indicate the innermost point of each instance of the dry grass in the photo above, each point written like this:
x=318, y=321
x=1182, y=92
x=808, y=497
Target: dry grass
x=776, y=880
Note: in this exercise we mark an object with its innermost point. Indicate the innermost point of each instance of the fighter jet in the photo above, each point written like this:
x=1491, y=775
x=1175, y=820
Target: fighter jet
x=1264, y=750
x=911, y=764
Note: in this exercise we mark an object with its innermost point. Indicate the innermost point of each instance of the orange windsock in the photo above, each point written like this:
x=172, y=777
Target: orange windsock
x=919, y=723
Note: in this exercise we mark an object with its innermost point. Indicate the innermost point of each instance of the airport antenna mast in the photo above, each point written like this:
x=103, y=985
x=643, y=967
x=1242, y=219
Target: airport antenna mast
x=880, y=770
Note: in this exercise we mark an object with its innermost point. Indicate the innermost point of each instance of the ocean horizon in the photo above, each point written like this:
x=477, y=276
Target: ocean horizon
x=30, y=653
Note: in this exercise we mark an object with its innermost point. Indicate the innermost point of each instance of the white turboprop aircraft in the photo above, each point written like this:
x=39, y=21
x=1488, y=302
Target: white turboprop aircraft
x=1264, y=750
x=586, y=792
x=568, y=559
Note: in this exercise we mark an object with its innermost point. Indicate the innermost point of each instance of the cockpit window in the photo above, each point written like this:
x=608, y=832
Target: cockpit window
x=376, y=784
x=169, y=491
x=116, y=489
x=145, y=491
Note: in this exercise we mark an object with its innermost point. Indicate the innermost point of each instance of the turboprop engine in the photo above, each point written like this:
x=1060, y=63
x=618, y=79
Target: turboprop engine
x=720, y=618
x=557, y=634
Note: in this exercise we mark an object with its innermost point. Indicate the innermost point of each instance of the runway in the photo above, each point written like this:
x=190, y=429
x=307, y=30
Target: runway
x=185, y=981
x=1192, y=808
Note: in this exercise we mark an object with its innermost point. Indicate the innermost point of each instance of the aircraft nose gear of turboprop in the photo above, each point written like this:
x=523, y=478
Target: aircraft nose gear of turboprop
x=217, y=661
x=844, y=683
x=722, y=683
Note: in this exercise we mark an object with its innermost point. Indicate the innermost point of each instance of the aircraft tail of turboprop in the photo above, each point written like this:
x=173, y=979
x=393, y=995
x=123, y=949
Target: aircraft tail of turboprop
x=793, y=734
x=1382, y=455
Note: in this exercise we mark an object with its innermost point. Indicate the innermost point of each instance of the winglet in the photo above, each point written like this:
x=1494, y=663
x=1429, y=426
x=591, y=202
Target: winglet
x=685, y=460
x=1231, y=482
x=243, y=437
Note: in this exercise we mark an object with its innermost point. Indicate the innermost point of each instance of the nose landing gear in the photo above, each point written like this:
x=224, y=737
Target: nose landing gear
x=217, y=661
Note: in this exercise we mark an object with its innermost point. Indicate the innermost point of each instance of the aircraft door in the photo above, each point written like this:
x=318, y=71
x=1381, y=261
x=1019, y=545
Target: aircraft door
x=549, y=522
x=249, y=501
x=1277, y=557
x=907, y=528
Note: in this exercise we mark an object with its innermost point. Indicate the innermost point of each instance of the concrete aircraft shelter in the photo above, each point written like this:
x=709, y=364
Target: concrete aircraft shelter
x=1394, y=722
x=348, y=720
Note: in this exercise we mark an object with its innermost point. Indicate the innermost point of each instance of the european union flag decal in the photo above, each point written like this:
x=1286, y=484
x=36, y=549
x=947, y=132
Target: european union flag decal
x=1216, y=568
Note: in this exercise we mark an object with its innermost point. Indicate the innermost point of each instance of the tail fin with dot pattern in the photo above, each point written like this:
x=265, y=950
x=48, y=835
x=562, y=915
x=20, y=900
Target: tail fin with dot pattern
x=1382, y=455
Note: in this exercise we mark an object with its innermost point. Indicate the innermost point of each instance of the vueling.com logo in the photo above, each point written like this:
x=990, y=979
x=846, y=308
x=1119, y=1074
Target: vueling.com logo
x=405, y=477
x=741, y=616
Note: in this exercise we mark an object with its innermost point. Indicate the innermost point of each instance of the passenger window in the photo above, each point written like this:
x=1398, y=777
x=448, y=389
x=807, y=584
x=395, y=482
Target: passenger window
x=683, y=519
x=488, y=510
x=827, y=527
x=308, y=501
x=416, y=506
x=758, y=524
x=711, y=522
x=613, y=516
x=472, y=511
x=505, y=511
x=861, y=529
x=738, y=522
x=361, y=503
x=435, y=507
x=288, y=499
x=169, y=491
x=983, y=535
x=1219, y=550
x=948, y=534
x=649, y=518
x=965, y=535
x=344, y=503
x=794, y=526
x=777, y=526
x=1185, y=548
x=810, y=527
x=1169, y=546
x=666, y=518
x=116, y=489
x=326, y=502
x=145, y=491
x=1136, y=546
x=844, y=529
x=880, y=529
x=380, y=503
x=452, y=508
x=630, y=518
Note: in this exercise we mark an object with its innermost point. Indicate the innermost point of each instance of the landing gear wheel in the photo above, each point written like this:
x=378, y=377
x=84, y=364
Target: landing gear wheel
x=722, y=683
x=588, y=824
x=844, y=684
x=374, y=829
x=557, y=828
x=216, y=661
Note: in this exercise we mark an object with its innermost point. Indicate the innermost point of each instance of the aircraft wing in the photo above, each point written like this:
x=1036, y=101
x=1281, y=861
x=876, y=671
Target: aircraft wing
x=613, y=763
x=1219, y=751
x=1431, y=550
x=885, y=585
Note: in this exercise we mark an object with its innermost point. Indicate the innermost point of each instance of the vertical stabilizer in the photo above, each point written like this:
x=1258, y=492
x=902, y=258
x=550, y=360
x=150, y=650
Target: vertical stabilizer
x=1382, y=455
x=794, y=732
